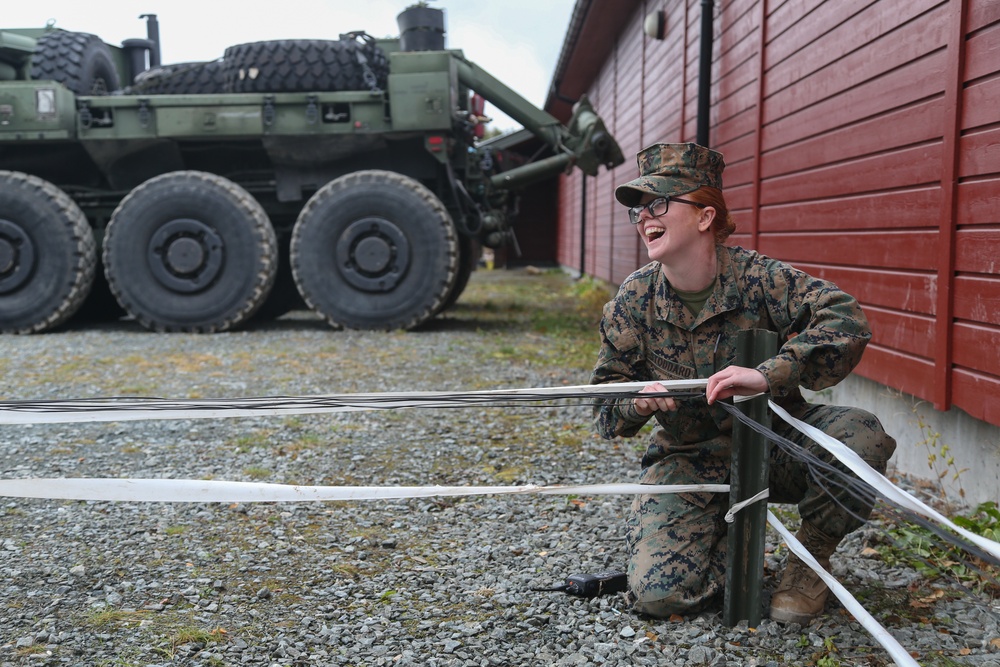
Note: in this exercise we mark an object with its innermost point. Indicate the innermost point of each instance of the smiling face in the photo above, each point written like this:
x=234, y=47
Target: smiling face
x=673, y=237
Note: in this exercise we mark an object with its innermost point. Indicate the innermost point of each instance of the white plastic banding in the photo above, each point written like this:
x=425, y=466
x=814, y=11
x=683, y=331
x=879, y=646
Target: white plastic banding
x=881, y=635
x=187, y=490
x=218, y=491
x=878, y=481
x=760, y=495
x=135, y=409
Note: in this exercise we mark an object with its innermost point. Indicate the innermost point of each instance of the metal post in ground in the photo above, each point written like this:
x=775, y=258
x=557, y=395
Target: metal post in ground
x=749, y=476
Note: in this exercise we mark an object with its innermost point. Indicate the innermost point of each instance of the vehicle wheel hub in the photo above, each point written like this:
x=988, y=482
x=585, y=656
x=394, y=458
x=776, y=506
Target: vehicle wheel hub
x=17, y=256
x=373, y=255
x=186, y=255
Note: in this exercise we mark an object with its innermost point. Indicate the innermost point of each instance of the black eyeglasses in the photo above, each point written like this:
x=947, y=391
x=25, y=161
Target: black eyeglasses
x=657, y=207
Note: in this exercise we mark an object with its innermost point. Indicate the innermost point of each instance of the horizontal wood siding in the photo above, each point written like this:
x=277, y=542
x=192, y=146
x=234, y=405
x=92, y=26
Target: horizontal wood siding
x=976, y=289
x=977, y=299
x=977, y=347
x=906, y=208
x=851, y=163
x=909, y=84
x=661, y=79
x=902, y=331
x=628, y=128
x=898, y=370
x=887, y=249
x=603, y=183
x=735, y=114
x=568, y=253
x=912, y=292
x=906, y=167
x=862, y=142
x=977, y=394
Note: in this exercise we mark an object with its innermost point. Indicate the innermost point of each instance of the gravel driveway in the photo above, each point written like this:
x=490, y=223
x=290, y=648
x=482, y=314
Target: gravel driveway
x=418, y=582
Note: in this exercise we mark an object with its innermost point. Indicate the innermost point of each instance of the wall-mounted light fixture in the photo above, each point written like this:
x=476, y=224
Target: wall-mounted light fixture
x=655, y=24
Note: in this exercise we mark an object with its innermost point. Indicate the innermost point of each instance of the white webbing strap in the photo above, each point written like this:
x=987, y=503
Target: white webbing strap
x=881, y=635
x=219, y=491
x=760, y=495
x=878, y=481
x=134, y=409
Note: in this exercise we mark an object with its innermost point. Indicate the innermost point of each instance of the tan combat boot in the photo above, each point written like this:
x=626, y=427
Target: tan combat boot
x=801, y=595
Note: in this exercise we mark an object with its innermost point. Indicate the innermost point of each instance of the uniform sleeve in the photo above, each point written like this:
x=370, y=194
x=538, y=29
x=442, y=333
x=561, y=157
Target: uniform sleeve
x=620, y=360
x=823, y=328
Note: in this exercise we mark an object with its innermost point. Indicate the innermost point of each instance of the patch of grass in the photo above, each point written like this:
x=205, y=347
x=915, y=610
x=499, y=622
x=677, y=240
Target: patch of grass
x=346, y=570
x=28, y=651
x=258, y=437
x=136, y=390
x=984, y=521
x=288, y=598
x=191, y=635
x=929, y=555
x=572, y=434
x=308, y=441
x=174, y=530
x=107, y=618
x=828, y=656
x=899, y=607
x=939, y=659
x=120, y=661
x=558, y=316
x=256, y=472
x=510, y=474
x=787, y=514
x=183, y=635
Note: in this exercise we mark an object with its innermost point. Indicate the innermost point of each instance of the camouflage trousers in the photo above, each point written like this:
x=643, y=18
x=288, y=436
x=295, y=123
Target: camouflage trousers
x=677, y=549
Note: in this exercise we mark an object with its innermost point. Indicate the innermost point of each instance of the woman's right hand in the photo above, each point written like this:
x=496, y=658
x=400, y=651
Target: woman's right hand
x=647, y=406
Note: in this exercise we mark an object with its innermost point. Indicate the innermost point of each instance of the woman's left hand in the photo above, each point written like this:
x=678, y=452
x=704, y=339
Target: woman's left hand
x=735, y=381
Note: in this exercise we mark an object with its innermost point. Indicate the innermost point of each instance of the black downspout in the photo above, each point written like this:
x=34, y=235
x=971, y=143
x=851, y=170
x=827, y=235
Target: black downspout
x=705, y=70
x=583, y=223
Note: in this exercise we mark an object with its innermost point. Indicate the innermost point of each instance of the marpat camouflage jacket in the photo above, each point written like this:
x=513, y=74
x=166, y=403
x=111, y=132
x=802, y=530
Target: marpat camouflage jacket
x=648, y=334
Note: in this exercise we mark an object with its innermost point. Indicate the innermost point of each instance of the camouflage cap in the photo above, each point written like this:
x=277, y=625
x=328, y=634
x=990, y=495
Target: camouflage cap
x=667, y=170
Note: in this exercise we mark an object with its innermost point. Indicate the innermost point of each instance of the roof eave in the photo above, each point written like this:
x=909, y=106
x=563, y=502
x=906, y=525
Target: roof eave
x=597, y=26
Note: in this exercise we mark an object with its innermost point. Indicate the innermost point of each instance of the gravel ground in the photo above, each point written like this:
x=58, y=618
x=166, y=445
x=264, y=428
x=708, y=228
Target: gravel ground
x=417, y=582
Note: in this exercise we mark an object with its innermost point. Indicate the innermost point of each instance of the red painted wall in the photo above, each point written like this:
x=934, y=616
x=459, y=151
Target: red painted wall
x=862, y=142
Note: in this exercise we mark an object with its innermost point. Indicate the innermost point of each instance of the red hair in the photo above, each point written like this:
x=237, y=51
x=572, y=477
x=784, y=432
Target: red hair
x=723, y=224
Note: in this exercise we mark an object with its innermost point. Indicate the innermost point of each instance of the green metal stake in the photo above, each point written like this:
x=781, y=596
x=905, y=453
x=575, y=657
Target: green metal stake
x=749, y=475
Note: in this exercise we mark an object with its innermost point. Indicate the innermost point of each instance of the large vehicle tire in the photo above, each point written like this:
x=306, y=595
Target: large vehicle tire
x=467, y=258
x=47, y=254
x=375, y=250
x=190, y=251
x=285, y=66
x=284, y=296
x=78, y=60
x=196, y=78
x=100, y=305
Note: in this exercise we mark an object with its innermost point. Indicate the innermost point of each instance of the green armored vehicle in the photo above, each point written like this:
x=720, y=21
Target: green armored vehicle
x=347, y=174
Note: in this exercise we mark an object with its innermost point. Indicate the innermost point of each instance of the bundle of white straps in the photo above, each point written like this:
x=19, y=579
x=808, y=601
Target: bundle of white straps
x=190, y=490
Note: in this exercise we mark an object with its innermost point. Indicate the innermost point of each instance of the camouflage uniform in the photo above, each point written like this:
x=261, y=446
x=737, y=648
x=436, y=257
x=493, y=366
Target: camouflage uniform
x=677, y=542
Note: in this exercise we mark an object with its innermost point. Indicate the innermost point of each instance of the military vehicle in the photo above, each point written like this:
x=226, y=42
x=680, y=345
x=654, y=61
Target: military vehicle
x=347, y=174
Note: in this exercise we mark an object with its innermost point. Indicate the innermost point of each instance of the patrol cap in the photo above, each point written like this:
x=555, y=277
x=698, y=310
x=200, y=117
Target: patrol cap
x=667, y=170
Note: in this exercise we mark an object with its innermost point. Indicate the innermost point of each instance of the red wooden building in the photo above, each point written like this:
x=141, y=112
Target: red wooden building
x=862, y=142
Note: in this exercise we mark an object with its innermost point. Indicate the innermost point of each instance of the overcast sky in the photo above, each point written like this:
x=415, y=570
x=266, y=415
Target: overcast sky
x=517, y=41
